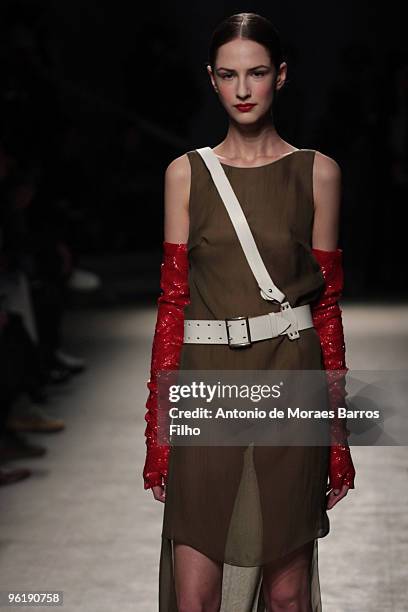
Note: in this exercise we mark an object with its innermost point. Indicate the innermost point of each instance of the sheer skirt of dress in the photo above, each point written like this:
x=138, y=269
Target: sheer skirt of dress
x=231, y=526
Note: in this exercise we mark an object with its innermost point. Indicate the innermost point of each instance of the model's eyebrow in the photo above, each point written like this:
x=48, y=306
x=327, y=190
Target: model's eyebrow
x=232, y=70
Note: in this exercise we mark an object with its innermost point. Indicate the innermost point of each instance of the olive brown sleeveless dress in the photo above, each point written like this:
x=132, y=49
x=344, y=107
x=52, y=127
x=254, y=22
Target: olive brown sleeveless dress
x=246, y=506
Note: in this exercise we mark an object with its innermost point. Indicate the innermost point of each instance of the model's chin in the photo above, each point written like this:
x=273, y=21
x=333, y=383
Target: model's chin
x=248, y=117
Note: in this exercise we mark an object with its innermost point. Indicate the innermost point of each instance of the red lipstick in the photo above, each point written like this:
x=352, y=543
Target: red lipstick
x=244, y=108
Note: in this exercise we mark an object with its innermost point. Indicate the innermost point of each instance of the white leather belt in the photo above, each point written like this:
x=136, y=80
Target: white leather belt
x=243, y=331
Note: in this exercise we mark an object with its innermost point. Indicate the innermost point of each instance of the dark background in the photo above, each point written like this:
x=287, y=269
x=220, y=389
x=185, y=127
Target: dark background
x=97, y=97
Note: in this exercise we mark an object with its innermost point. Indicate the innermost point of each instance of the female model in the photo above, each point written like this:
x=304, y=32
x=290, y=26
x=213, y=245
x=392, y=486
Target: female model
x=241, y=524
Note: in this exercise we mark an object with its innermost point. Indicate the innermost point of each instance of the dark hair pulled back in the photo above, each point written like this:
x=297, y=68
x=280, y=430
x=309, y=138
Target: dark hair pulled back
x=252, y=27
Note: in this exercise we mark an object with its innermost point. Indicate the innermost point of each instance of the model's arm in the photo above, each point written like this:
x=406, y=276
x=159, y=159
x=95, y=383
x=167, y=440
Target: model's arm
x=177, y=180
x=169, y=330
x=327, y=199
x=327, y=315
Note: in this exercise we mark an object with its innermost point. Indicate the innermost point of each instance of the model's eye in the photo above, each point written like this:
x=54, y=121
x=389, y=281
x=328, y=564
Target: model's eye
x=225, y=76
x=259, y=73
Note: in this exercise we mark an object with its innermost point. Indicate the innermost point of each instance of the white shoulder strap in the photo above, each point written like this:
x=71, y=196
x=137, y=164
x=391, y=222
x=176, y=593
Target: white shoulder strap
x=269, y=291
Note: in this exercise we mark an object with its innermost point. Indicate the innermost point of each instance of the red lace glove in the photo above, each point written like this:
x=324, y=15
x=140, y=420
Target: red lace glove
x=166, y=349
x=326, y=314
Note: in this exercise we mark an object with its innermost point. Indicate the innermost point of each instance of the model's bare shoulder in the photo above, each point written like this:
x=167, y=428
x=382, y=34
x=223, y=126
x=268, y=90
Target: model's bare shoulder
x=327, y=178
x=177, y=182
x=327, y=199
x=178, y=167
x=177, y=179
x=325, y=168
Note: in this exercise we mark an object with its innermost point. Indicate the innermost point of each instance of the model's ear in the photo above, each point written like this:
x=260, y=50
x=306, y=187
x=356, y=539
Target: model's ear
x=211, y=75
x=281, y=76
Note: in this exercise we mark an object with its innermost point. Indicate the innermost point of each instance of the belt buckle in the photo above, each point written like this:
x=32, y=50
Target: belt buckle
x=233, y=344
x=292, y=331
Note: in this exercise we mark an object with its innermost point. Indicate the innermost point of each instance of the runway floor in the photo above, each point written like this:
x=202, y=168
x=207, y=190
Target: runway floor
x=83, y=524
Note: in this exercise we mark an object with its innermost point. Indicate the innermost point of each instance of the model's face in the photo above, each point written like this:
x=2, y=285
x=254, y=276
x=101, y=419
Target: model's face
x=244, y=74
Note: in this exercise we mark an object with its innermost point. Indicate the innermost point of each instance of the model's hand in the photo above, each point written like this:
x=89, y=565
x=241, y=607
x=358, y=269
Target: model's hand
x=159, y=493
x=336, y=495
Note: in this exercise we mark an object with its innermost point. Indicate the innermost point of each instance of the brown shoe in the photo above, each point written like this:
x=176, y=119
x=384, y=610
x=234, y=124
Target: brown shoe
x=10, y=476
x=35, y=421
